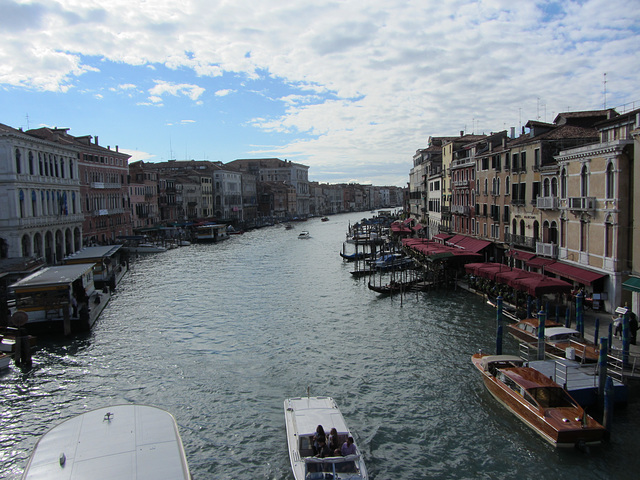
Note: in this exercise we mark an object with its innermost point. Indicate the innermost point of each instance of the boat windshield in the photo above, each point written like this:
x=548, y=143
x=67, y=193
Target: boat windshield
x=551, y=397
x=333, y=465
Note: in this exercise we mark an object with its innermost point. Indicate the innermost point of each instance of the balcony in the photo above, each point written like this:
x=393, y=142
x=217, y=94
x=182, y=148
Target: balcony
x=520, y=240
x=103, y=185
x=548, y=203
x=582, y=204
x=460, y=209
x=547, y=249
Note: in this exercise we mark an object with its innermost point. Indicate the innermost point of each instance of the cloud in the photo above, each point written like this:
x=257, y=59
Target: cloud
x=162, y=87
x=353, y=82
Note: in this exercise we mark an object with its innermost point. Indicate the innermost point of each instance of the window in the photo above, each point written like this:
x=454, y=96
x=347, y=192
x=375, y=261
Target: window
x=31, y=163
x=584, y=182
x=563, y=183
x=609, y=190
x=523, y=161
x=507, y=191
x=608, y=237
x=583, y=235
x=18, y=162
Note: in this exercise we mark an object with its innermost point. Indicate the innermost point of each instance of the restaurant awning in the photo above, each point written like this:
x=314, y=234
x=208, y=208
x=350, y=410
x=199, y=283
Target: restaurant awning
x=580, y=275
x=520, y=254
x=473, y=244
x=441, y=237
x=632, y=284
x=454, y=240
x=539, y=262
x=541, y=284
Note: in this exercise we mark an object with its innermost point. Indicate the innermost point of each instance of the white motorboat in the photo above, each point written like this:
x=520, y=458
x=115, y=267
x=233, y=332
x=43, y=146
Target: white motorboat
x=302, y=416
x=303, y=235
x=122, y=441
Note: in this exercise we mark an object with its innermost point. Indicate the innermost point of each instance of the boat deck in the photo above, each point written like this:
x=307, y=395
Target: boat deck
x=581, y=380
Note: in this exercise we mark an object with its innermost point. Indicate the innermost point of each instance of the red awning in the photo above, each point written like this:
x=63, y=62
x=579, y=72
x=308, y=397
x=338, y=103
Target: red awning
x=441, y=237
x=508, y=276
x=417, y=227
x=538, y=286
x=454, y=240
x=520, y=255
x=580, y=275
x=539, y=262
x=471, y=244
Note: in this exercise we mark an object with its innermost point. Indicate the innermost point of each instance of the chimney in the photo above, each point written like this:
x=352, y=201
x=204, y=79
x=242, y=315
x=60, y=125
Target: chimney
x=108, y=147
x=513, y=132
x=116, y=148
x=96, y=137
x=522, y=130
x=462, y=133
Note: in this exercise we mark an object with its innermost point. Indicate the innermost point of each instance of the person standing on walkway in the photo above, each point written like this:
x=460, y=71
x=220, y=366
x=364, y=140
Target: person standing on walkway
x=633, y=327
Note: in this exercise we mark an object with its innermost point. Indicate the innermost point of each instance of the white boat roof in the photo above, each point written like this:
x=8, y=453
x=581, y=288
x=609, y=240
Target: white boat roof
x=57, y=275
x=489, y=359
x=559, y=330
x=136, y=442
x=99, y=251
x=309, y=412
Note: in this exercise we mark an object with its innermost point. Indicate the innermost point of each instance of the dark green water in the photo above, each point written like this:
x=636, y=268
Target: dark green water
x=220, y=334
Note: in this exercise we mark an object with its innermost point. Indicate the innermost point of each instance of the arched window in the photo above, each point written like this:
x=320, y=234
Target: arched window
x=609, y=187
x=583, y=235
x=26, y=246
x=584, y=181
x=62, y=167
x=546, y=188
x=608, y=236
x=553, y=233
x=70, y=168
x=497, y=186
x=522, y=228
x=18, y=162
x=563, y=183
x=486, y=186
x=554, y=187
x=507, y=187
x=40, y=162
x=21, y=202
x=34, y=203
x=536, y=231
x=31, y=163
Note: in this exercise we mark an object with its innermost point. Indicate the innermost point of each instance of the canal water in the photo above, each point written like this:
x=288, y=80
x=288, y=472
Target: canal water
x=221, y=334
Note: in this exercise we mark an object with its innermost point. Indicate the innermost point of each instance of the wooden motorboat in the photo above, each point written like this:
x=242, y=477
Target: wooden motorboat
x=352, y=257
x=538, y=401
x=558, y=339
x=5, y=361
x=122, y=441
x=303, y=235
x=302, y=416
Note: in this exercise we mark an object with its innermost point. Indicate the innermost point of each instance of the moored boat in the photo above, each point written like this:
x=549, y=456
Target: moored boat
x=302, y=416
x=211, y=233
x=122, y=441
x=5, y=361
x=538, y=401
x=558, y=339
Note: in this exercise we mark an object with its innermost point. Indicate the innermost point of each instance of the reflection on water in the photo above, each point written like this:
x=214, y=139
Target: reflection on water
x=220, y=334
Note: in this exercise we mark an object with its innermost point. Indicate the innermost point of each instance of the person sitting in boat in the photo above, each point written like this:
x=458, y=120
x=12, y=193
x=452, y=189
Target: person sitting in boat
x=320, y=436
x=348, y=447
x=323, y=450
x=333, y=441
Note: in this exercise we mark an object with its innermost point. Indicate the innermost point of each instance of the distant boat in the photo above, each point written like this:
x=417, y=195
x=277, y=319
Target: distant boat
x=303, y=235
x=538, y=401
x=211, y=233
x=325, y=219
x=288, y=226
x=302, y=416
x=122, y=441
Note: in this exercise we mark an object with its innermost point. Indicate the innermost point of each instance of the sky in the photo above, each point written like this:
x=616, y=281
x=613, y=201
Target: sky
x=350, y=88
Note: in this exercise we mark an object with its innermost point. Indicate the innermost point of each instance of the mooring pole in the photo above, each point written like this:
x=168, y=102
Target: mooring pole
x=602, y=366
x=499, y=326
x=541, y=320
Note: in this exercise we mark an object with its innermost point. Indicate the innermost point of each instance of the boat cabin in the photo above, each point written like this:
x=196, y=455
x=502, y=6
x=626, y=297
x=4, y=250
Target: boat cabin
x=211, y=233
x=55, y=293
x=107, y=267
x=561, y=334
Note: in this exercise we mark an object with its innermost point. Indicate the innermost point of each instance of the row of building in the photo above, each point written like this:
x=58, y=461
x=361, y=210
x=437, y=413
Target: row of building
x=560, y=198
x=59, y=192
